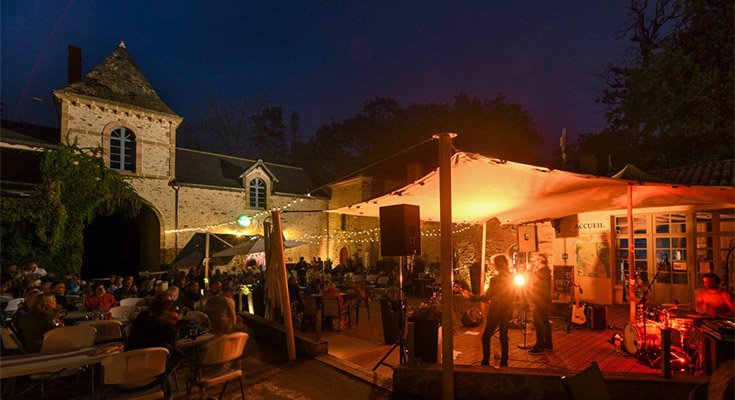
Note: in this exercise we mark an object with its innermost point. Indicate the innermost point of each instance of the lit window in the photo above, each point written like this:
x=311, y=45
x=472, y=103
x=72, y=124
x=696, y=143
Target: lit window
x=257, y=193
x=122, y=150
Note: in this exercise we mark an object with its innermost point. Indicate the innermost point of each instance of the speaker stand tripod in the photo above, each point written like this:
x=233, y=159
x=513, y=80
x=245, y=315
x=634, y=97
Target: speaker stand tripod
x=401, y=342
x=524, y=327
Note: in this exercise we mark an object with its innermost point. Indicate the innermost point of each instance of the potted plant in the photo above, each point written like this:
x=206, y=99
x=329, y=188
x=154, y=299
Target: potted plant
x=426, y=320
x=389, y=308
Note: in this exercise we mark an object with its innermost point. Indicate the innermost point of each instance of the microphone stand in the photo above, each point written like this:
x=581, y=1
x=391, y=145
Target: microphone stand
x=643, y=305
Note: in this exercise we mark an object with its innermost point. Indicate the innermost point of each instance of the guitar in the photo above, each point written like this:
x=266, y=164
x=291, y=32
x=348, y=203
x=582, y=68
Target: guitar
x=578, y=316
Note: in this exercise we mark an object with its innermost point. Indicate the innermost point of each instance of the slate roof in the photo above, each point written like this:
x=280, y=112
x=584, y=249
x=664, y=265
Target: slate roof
x=201, y=168
x=716, y=173
x=118, y=78
x=29, y=134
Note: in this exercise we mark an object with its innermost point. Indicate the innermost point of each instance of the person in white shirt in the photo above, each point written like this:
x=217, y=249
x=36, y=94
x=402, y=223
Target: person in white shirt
x=32, y=272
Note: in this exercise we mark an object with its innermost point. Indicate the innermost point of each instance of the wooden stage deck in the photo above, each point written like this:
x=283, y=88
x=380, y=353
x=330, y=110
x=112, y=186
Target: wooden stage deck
x=361, y=347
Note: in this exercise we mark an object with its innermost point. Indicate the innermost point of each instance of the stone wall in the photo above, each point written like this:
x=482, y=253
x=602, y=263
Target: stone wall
x=204, y=206
x=90, y=122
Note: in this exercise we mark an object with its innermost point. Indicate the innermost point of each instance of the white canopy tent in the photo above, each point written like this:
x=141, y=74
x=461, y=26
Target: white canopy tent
x=484, y=188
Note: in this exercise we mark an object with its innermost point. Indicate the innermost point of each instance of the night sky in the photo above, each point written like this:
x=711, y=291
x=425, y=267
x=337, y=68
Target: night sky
x=324, y=59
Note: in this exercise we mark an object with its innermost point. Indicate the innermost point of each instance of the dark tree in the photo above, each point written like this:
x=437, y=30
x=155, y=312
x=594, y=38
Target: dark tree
x=671, y=103
x=491, y=127
x=244, y=128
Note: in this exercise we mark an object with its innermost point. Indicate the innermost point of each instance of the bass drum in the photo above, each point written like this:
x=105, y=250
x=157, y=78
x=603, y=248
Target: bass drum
x=634, y=339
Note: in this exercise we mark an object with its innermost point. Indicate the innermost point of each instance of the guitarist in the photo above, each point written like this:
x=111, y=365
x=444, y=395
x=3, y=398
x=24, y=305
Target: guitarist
x=541, y=299
x=500, y=297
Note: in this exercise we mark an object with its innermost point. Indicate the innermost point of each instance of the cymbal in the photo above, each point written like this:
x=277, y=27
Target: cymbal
x=675, y=305
x=697, y=316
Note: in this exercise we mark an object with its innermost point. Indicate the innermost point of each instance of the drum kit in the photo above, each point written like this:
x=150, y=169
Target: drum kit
x=643, y=337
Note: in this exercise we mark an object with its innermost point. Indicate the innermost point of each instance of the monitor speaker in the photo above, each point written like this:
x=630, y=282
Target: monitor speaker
x=527, y=239
x=400, y=230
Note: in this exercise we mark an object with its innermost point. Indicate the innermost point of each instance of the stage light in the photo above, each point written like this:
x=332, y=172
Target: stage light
x=519, y=280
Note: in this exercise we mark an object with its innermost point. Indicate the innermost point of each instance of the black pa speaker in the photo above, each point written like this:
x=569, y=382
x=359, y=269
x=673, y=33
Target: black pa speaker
x=400, y=230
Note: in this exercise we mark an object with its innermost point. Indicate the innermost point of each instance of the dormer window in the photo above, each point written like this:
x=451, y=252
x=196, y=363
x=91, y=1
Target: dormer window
x=257, y=193
x=122, y=150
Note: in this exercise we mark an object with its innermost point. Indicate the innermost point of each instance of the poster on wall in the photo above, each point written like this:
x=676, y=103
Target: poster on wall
x=593, y=259
x=563, y=278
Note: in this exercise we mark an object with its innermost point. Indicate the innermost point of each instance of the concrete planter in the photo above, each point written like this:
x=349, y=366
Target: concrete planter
x=426, y=340
x=391, y=323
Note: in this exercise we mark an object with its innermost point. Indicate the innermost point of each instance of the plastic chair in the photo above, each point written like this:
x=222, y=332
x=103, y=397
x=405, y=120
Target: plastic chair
x=217, y=357
x=333, y=309
x=122, y=312
x=126, y=332
x=587, y=385
x=107, y=331
x=133, y=301
x=64, y=339
x=363, y=300
x=68, y=338
x=13, y=305
x=382, y=281
x=310, y=307
x=135, y=369
x=10, y=343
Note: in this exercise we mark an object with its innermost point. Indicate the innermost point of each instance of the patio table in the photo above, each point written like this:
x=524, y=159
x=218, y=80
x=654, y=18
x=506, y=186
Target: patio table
x=28, y=364
x=200, y=340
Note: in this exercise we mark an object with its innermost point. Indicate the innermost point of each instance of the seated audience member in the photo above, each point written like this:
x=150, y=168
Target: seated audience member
x=215, y=289
x=127, y=290
x=37, y=322
x=156, y=328
x=117, y=283
x=713, y=300
x=99, y=300
x=173, y=291
x=59, y=290
x=72, y=283
x=294, y=294
x=147, y=289
x=31, y=297
x=33, y=273
x=333, y=292
x=190, y=297
x=221, y=312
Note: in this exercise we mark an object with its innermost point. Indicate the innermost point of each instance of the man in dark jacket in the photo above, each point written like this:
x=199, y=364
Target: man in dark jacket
x=541, y=298
x=500, y=298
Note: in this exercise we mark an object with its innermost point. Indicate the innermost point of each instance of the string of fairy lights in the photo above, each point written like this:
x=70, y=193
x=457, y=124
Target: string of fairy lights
x=371, y=235
x=204, y=228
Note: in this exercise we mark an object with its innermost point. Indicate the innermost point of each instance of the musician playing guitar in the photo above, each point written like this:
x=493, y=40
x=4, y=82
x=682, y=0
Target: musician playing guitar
x=500, y=297
x=713, y=300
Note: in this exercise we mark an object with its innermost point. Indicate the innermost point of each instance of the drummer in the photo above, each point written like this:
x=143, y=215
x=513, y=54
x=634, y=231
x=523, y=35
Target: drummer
x=713, y=300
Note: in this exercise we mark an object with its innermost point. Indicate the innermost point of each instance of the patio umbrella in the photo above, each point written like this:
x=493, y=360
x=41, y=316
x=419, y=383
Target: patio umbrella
x=257, y=245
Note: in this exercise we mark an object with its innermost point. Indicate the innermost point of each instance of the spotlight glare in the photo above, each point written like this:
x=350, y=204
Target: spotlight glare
x=519, y=280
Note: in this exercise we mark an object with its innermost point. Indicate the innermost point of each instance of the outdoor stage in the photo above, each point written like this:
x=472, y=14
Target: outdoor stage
x=359, y=349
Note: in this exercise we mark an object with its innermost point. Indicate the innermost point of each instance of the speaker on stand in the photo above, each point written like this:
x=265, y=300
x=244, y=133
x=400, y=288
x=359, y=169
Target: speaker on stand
x=400, y=235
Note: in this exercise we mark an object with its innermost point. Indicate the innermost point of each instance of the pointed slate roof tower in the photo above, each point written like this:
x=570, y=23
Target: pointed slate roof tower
x=118, y=79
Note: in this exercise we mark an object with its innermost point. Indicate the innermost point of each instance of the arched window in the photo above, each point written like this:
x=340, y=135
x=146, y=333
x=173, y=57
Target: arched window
x=122, y=150
x=257, y=193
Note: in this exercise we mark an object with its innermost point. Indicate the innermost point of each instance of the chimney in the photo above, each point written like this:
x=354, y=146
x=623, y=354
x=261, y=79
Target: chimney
x=75, y=65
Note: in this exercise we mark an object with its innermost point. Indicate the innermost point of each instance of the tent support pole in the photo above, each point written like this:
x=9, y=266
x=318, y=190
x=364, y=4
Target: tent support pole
x=206, y=261
x=631, y=257
x=482, y=258
x=445, y=207
x=285, y=303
